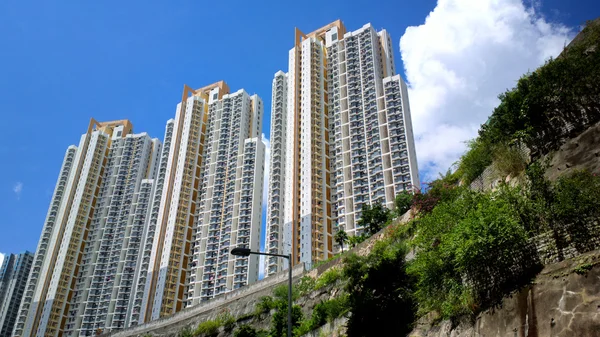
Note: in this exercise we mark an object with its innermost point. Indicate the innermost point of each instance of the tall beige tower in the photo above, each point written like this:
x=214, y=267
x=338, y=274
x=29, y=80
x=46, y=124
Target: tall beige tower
x=307, y=221
x=166, y=284
x=230, y=205
x=58, y=259
x=346, y=140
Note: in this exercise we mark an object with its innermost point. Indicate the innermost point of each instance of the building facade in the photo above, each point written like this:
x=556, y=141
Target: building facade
x=207, y=203
x=276, y=201
x=166, y=286
x=373, y=143
x=101, y=300
x=348, y=140
x=58, y=260
x=230, y=202
x=13, y=277
x=37, y=282
x=138, y=301
x=133, y=225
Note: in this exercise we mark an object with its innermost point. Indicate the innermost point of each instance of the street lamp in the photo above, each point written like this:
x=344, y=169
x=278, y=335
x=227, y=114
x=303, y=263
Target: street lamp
x=247, y=252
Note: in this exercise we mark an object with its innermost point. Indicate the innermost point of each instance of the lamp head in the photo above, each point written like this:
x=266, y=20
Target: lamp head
x=240, y=251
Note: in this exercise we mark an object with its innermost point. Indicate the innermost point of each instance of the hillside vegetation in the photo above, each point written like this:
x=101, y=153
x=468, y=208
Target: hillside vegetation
x=464, y=251
x=555, y=102
x=471, y=249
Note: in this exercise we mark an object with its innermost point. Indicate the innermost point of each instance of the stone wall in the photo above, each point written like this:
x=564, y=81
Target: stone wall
x=556, y=246
x=337, y=328
x=563, y=301
x=579, y=153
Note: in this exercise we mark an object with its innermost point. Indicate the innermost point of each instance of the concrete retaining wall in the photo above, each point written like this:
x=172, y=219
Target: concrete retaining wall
x=239, y=303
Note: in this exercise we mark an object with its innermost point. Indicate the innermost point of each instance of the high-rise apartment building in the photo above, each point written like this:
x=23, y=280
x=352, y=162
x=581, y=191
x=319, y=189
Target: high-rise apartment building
x=348, y=139
x=166, y=287
x=139, y=302
x=276, y=201
x=58, y=260
x=373, y=148
x=230, y=204
x=13, y=277
x=102, y=296
x=208, y=203
x=135, y=227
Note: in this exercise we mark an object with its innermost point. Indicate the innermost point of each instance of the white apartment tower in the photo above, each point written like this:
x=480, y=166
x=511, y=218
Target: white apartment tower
x=210, y=188
x=373, y=148
x=14, y=271
x=276, y=201
x=37, y=282
x=166, y=280
x=138, y=302
x=58, y=260
x=101, y=300
x=348, y=139
x=230, y=202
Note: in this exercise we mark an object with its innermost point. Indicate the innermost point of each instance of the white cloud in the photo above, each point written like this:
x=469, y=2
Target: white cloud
x=1, y=258
x=18, y=188
x=457, y=63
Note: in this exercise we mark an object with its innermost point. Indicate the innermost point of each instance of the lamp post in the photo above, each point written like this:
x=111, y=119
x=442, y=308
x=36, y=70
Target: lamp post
x=247, y=252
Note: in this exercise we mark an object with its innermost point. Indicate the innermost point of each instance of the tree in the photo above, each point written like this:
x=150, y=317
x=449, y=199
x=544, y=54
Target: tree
x=379, y=293
x=279, y=318
x=403, y=202
x=356, y=239
x=341, y=237
x=374, y=218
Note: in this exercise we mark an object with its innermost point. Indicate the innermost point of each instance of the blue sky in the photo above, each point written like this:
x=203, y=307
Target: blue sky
x=66, y=61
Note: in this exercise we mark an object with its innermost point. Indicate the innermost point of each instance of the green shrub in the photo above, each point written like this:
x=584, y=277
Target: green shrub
x=279, y=319
x=354, y=240
x=211, y=327
x=323, y=312
x=576, y=200
x=477, y=158
x=471, y=253
x=280, y=293
x=403, y=202
x=374, y=218
x=509, y=160
x=306, y=285
x=583, y=268
x=227, y=321
x=336, y=307
x=322, y=262
x=379, y=293
x=208, y=328
x=247, y=316
x=561, y=93
x=328, y=278
x=245, y=331
x=265, y=305
x=440, y=190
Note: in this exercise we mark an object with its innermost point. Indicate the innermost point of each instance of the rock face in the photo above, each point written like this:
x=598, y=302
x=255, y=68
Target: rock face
x=579, y=153
x=563, y=301
x=337, y=328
